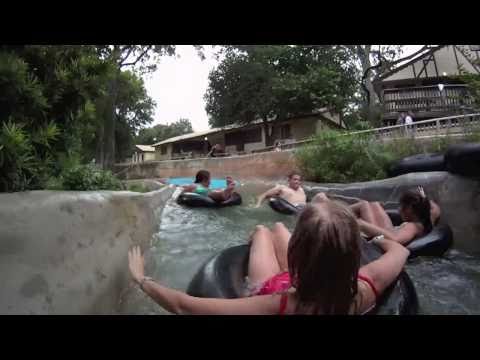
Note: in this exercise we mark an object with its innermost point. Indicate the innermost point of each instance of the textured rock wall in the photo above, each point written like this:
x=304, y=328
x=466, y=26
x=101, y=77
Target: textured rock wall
x=66, y=252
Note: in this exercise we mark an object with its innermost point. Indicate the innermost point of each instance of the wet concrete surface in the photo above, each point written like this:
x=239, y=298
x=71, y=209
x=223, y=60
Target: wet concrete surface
x=66, y=252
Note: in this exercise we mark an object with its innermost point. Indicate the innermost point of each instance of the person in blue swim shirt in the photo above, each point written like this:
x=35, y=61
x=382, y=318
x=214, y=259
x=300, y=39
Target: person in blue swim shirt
x=202, y=184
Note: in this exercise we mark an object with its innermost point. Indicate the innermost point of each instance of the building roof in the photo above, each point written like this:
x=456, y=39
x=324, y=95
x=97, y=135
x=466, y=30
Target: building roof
x=145, y=148
x=408, y=63
x=445, y=52
x=228, y=127
x=188, y=136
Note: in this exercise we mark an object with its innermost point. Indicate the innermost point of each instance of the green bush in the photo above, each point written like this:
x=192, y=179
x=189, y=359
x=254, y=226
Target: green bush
x=25, y=157
x=137, y=188
x=351, y=158
x=334, y=158
x=85, y=177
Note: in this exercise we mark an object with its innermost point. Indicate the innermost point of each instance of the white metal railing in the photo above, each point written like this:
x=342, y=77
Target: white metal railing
x=458, y=124
x=449, y=125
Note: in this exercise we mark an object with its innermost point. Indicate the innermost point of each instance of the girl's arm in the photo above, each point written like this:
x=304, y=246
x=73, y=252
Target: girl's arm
x=386, y=268
x=179, y=302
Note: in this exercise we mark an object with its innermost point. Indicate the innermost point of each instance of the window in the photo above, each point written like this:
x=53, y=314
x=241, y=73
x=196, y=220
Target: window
x=242, y=137
x=233, y=138
x=163, y=149
x=188, y=146
x=285, y=132
x=253, y=135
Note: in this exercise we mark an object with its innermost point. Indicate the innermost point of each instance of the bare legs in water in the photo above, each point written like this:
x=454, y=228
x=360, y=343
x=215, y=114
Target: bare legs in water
x=268, y=252
x=372, y=212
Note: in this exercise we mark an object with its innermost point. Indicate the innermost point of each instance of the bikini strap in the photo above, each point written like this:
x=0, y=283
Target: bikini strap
x=370, y=283
x=283, y=304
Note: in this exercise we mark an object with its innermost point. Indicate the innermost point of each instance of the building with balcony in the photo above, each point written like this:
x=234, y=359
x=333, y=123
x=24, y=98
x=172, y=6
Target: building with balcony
x=428, y=85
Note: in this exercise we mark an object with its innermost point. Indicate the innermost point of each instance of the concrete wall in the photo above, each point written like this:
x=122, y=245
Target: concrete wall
x=66, y=252
x=147, y=156
x=271, y=165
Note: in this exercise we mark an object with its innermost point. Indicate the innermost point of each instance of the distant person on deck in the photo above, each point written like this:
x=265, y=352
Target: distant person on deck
x=293, y=193
x=408, y=123
x=215, y=151
x=277, y=146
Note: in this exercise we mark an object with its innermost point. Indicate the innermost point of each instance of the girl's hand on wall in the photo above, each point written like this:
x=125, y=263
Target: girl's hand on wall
x=136, y=264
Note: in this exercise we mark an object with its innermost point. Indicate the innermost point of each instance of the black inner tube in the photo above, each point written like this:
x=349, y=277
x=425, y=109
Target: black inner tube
x=223, y=276
x=283, y=206
x=197, y=200
x=463, y=159
x=418, y=163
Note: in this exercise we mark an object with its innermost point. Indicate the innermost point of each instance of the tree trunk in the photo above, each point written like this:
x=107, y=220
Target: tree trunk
x=105, y=136
x=363, y=53
x=110, y=120
x=99, y=157
x=105, y=151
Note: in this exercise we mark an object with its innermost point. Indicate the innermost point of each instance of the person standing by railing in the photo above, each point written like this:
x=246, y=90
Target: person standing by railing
x=400, y=121
x=408, y=124
x=277, y=146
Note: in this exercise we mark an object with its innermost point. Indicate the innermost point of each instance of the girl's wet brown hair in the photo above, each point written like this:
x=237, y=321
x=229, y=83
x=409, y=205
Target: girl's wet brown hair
x=420, y=206
x=324, y=259
x=201, y=176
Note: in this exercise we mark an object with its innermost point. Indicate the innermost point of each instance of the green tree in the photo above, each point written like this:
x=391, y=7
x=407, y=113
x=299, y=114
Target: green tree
x=473, y=82
x=44, y=90
x=134, y=110
x=140, y=58
x=121, y=57
x=160, y=132
x=275, y=82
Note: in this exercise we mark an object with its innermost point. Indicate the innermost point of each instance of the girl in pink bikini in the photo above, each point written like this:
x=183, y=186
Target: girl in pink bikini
x=316, y=270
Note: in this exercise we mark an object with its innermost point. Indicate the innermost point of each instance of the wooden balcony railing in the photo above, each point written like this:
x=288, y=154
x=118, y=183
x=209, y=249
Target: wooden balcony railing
x=449, y=125
x=426, y=99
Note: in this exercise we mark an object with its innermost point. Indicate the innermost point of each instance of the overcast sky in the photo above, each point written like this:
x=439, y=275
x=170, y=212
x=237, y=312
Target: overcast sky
x=179, y=84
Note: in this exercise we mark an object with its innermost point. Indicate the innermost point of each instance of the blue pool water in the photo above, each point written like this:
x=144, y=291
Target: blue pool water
x=214, y=183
